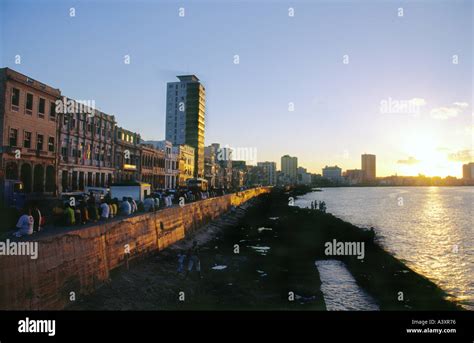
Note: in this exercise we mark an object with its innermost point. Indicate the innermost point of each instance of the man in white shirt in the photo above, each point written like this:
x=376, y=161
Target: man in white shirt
x=25, y=224
x=105, y=211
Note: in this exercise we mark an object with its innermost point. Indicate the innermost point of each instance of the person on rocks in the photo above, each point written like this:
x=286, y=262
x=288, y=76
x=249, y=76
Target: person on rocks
x=193, y=256
x=181, y=260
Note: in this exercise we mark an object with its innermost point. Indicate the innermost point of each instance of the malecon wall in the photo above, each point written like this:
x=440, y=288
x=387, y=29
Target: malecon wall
x=80, y=260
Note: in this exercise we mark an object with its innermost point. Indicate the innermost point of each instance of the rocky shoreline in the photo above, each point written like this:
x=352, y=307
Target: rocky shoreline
x=261, y=256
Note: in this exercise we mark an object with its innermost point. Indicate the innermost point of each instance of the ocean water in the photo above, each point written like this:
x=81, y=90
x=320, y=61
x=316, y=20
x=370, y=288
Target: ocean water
x=340, y=290
x=429, y=228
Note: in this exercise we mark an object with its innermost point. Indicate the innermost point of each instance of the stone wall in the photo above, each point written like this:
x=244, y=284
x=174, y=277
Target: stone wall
x=80, y=260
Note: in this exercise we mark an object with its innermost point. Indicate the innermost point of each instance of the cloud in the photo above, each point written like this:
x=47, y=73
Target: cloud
x=446, y=112
x=418, y=102
x=461, y=104
x=443, y=113
x=409, y=161
x=462, y=156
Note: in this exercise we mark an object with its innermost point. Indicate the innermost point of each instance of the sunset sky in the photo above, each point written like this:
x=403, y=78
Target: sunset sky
x=340, y=110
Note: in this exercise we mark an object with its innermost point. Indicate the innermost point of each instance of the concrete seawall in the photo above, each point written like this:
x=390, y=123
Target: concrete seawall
x=80, y=260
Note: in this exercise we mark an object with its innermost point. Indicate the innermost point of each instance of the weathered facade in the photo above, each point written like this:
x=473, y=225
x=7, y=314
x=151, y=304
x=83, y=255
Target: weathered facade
x=127, y=155
x=185, y=155
x=86, y=146
x=152, y=166
x=28, y=131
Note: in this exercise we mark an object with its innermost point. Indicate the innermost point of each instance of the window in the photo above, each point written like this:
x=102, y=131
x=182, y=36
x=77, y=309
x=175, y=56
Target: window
x=15, y=99
x=13, y=137
x=39, y=142
x=64, y=151
x=29, y=103
x=41, y=107
x=51, y=144
x=52, y=110
x=27, y=139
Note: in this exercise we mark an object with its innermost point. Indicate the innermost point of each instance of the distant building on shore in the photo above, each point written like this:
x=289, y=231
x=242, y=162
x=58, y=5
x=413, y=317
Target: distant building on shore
x=354, y=176
x=368, y=162
x=289, y=168
x=185, y=115
x=332, y=173
x=468, y=171
x=269, y=174
x=304, y=178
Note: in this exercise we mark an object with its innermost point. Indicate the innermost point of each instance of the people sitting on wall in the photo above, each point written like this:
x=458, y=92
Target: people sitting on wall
x=157, y=203
x=104, y=210
x=77, y=214
x=125, y=207
x=115, y=206
x=92, y=209
x=69, y=217
x=84, y=212
x=133, y=203
x=25, y=223
x=149, y=204
x=37, y=217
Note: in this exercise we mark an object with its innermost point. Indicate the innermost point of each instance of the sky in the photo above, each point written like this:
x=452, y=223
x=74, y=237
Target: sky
x=325, y=81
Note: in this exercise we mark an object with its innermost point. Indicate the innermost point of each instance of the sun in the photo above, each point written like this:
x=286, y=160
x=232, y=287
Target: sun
x=431, y=161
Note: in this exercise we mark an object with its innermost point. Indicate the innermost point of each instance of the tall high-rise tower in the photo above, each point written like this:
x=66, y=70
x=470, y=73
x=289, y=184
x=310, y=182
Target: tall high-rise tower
x=368, y=167
x=185, y=114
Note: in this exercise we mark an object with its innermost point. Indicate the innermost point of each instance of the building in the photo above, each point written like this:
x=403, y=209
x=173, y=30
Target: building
x=239, y=174
x=185, y=155
x=468, y=171
x=152, y=166
x=127, y=155
x=185, y=116
x=269, y=174
x=304, y=177
x=86, y=142
x=224, y=166
x=332, y=173
x=354, y=176
x=28, y=131
x=368, y=167
x=289, y=168
x=171, y=163
x=210, y=165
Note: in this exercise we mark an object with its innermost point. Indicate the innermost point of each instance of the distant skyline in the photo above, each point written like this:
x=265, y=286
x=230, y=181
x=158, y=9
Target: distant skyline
x=291, y=92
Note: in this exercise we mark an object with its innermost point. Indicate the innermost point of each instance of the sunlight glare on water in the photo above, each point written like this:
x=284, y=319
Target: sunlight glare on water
x=429, y=228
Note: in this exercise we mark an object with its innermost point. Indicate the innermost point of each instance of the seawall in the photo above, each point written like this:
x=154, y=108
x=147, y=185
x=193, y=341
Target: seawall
x=79, y=261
